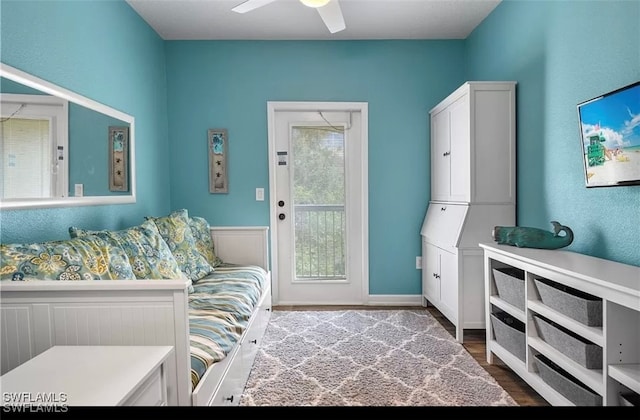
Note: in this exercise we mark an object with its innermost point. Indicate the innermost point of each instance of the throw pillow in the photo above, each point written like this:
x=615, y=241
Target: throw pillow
x=149, y=255
x=204, y=242
x=176, y=232
x=87, y=258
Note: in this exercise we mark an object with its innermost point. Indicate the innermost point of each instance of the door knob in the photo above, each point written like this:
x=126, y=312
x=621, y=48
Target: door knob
x=281, y=216
x=280, y=203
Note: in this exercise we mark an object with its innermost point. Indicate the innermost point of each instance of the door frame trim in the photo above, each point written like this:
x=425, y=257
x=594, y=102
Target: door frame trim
x=284, y=106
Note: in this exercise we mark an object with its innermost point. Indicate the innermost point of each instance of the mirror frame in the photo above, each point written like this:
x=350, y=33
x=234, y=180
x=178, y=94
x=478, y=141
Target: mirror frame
x=29, y=203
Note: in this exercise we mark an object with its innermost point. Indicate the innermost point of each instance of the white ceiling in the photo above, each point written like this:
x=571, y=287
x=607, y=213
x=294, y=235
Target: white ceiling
x=291, y=20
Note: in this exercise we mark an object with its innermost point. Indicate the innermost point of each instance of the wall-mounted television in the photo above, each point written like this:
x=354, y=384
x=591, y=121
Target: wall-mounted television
x=610, y=137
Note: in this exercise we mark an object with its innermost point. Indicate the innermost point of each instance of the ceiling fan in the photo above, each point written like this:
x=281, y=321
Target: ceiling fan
x=329, y=11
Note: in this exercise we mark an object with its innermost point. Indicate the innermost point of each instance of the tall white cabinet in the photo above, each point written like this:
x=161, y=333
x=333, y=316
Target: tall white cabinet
x=473, y=189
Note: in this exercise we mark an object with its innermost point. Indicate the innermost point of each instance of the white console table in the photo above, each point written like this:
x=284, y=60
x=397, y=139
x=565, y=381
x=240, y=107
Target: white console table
x=90, y=376
x=616, y=286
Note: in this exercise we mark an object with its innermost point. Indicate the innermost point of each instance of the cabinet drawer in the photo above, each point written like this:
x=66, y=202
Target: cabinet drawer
x=253, y=339
x=258, y=326
x=150, y=393
x=232, y=385
x=443, y=223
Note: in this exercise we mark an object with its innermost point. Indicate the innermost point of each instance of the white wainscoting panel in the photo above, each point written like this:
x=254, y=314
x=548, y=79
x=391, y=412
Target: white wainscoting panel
x=17, y=346
x=242, y=245
x=113, y=324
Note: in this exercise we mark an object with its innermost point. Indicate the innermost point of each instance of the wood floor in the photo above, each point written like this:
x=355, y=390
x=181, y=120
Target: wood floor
x=474, y=342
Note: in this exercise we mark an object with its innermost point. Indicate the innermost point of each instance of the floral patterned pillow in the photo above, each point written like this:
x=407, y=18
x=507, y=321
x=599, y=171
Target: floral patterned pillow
x=204, y=242
x=149, y=255
x=87, y=258
x=176, y=232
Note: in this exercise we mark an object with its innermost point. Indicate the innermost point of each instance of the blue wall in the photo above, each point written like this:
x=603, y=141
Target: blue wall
x=562, y=53
x=105, y=51
x=213, y=84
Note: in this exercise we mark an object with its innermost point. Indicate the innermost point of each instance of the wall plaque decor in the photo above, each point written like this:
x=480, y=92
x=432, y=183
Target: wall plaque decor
x=218, y=149
x=118, y=158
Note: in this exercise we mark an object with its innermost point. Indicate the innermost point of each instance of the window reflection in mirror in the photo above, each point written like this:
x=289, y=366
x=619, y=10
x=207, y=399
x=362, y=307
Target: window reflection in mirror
x=52, y=141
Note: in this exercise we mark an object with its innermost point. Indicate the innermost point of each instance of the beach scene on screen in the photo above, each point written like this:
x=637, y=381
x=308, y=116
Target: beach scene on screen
x=610, y=128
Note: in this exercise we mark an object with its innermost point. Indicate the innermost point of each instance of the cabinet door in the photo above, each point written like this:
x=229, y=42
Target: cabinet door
x=459, y=150
x=440, y=175
x=443, y=224
x=449, y=285
x=431, y=273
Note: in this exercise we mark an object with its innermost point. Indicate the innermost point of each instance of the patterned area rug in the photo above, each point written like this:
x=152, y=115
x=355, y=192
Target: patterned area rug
x=366, y=358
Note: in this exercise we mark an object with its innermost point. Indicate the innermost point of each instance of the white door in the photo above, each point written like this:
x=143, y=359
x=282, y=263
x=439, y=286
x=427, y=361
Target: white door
x=318, y=192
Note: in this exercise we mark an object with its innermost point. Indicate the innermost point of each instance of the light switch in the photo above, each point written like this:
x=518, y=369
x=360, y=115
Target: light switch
x=259, y=194
x=79, y=190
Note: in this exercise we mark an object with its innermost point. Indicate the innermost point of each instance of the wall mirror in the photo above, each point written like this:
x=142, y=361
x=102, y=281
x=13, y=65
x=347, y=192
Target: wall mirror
x=61, y=149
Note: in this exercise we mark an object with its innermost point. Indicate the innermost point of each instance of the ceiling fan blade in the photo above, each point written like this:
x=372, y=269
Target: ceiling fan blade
x=331, y=14
x=250, y=5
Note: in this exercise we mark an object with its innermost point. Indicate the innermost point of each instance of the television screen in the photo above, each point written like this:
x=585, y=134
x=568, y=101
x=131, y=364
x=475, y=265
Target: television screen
x=610, y=134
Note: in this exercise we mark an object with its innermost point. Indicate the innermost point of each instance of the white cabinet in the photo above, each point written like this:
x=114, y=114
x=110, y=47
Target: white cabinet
x=91, y=376
x=450, y=151
x=440, y=284
x=473, y=144
x=472, y=190
x=569, y=359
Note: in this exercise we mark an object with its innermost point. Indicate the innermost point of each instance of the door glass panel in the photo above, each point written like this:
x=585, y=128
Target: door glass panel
x=318, y=198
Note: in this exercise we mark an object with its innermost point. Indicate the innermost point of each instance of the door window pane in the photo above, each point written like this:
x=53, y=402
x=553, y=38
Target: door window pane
x=318, y=200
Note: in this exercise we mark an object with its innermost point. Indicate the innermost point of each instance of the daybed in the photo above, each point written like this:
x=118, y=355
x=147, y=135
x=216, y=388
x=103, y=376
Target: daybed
x=215, y=322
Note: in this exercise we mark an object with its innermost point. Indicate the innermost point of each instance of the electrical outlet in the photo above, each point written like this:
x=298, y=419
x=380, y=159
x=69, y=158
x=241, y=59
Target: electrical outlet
x=79, y=190
x=418, y=263
x=259, y=194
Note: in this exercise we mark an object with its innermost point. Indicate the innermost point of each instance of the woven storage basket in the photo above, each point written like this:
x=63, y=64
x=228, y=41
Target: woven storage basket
x=509, y=333
x=571, y=345
x=510, y=285
x=582, y=307
x=630, y=399
x=565, y=384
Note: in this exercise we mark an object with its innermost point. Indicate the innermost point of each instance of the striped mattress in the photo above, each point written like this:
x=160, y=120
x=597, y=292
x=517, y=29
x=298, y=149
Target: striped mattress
x=219, y=310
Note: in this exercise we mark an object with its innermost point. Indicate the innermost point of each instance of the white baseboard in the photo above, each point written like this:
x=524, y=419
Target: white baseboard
x=394, y=300
x=371, y=300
